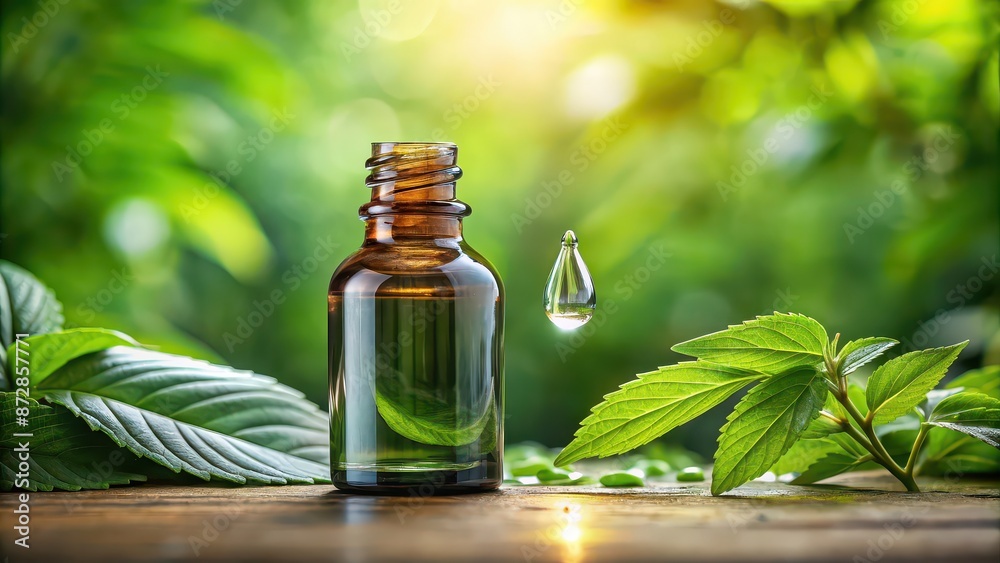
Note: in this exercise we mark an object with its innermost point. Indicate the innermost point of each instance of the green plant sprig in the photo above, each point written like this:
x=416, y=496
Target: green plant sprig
x=802, y=414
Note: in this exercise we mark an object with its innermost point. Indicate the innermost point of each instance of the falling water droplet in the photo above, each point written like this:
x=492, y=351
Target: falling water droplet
x=569, y=298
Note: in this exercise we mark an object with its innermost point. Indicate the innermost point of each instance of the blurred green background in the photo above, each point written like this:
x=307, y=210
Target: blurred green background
x=168, y=166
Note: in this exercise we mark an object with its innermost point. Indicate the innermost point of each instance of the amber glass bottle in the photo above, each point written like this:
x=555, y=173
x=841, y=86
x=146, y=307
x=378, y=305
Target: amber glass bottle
x=416, y=338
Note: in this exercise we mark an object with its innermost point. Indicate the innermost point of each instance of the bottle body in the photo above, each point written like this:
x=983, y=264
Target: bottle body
x=416, y=361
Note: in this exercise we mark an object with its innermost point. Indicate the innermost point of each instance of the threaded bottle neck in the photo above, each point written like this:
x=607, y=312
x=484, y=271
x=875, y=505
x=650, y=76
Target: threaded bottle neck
x=413, y=194
x=414, y=178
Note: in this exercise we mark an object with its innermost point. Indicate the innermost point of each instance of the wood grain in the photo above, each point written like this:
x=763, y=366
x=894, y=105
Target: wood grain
x=757, y=522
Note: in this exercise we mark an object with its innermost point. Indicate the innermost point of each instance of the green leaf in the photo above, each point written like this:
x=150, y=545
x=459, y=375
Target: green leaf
x=802, y=454
x=934, y=396
x=64, y=453
x=550, y=474
x=902, y=383
x=856, y=394
x=984, y=380
x=49, y=352
x=27, y=306
x=771, y=344
x=975, y=414
x=6, y=332
x=652, y=467
x=829, y=465
x=437, y=423
x=210, y=421
x=648, y=407
x=568, y=482
x=764, y=425
x=953, y=454
x=840, y=454
x=898, y=436
x=621, y=479
x=857, y=353
x=530, y=467
x=33, y=308
x=848, y=444
x=822, y=426
x=690, y=474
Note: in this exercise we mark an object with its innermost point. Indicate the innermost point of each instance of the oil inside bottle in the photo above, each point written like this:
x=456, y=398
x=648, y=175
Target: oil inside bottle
x=417, y=378
x=569, y=297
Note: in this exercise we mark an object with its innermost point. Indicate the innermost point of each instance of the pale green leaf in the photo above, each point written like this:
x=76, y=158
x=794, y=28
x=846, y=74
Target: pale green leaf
x=64, y=453
x=934, y=396
x=822, y=426
x=953, y=454
x=848, y=444
x=765, y=424
x=802, y=454
x=32, y=307
x=27, y=307
x=975, y=414
x=651, y=405
x=856, y=394
x=857, y=353
x=984, y=380
x=49, y=352
x=770, y=344
x=621, y=479
x=900, y=384
x=209, y=421
x=830, y=465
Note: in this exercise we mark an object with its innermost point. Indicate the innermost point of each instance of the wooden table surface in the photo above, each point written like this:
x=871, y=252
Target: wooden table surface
x=955, y=522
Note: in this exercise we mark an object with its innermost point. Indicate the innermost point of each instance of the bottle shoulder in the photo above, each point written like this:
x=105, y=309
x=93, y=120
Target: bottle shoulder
x=424, y=268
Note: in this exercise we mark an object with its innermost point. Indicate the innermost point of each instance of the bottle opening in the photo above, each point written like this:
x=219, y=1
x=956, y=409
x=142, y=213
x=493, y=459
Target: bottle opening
x=413, y=177
x=409, y=166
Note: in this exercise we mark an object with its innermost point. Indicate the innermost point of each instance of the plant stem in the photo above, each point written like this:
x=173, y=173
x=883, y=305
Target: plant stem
x=869, y=440
x=917, y=444
x=883, y=460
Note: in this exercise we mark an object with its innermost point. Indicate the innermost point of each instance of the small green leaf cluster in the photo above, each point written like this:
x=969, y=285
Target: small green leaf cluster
x=803, y=413
x=87, y=408
x=530, y=463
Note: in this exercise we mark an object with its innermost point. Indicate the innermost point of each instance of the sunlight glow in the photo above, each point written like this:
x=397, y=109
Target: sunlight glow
x=599, y=87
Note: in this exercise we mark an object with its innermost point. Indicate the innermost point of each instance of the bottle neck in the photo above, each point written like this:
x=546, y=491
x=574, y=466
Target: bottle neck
x=408, y=228
x=413, y=194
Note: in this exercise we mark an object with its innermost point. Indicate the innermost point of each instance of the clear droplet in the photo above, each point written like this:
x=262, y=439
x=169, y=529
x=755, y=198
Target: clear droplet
x=569, y=297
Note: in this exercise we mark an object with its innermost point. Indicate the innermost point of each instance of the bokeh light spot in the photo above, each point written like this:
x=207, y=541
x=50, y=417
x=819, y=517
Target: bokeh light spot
x=135, y=226
x=599, y=87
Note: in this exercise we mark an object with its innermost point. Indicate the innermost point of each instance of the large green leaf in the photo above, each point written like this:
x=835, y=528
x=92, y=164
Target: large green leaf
x=902, y=383
x=770, y=344
x=765, y=424
x=975, y=414
x=63, y=452
x=857, y=353
x=27, y=306
x=207, y=420
x=984, y=380
x=49, y=352
x=655, y=403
